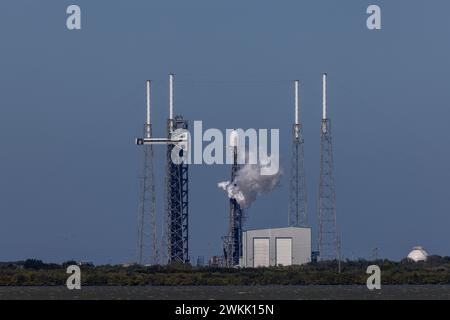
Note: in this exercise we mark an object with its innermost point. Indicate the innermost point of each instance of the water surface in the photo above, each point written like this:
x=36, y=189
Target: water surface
x=228, y=292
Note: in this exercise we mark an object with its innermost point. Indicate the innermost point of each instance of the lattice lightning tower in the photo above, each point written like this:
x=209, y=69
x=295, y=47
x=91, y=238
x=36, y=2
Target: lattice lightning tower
x=297, y=197
x=328, y=242
x=147, y=236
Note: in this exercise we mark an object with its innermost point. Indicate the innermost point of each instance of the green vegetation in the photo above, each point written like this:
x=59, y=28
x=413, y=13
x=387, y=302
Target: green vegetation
x=36, y=273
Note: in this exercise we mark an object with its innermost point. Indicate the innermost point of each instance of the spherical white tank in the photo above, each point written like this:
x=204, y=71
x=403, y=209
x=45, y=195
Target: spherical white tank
x=418, y=254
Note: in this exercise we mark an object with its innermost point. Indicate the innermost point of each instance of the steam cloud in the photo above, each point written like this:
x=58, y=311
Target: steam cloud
x=249, y=183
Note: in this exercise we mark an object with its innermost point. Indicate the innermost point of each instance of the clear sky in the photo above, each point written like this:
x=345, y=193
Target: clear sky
x=72, y=102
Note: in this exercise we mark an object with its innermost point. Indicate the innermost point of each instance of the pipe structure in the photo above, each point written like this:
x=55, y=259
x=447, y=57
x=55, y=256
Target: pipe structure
x=324, y=97
x=297, y=101
x=148, y=123
x=171, y=96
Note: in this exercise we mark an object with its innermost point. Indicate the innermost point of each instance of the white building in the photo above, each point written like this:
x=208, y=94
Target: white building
x=278, y=246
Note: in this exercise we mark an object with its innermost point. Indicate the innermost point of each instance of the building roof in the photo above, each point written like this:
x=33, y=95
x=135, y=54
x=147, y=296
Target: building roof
x=282, y=228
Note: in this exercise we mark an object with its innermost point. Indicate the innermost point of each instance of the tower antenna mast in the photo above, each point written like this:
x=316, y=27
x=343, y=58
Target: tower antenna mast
x=147, y=209
x=297, y=211
x=328, y=237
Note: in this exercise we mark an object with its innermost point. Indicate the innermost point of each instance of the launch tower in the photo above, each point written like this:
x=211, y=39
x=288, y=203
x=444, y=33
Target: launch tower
x=233, y=241
x=176, y=237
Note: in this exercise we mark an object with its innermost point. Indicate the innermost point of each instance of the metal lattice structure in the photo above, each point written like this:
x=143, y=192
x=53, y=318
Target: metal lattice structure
x=328, y=242
x=147, y=235
x=174, y=241
x=233, y=241
x=177, y=216
x=297, y=216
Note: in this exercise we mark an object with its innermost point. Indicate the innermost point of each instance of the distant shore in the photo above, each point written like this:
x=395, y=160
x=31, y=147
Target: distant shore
x=435, y=271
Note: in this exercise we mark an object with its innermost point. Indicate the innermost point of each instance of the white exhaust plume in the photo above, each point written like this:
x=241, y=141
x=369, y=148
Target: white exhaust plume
x=249, y=183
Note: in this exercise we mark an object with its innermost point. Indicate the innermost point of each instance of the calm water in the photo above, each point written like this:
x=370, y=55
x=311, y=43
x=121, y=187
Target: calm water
x=229, y=292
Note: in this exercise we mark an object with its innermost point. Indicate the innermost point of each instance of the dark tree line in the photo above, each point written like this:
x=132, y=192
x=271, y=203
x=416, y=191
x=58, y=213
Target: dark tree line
x=37, y=273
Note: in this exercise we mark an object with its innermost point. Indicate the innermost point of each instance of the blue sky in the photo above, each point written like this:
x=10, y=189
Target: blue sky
x=71, y=103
